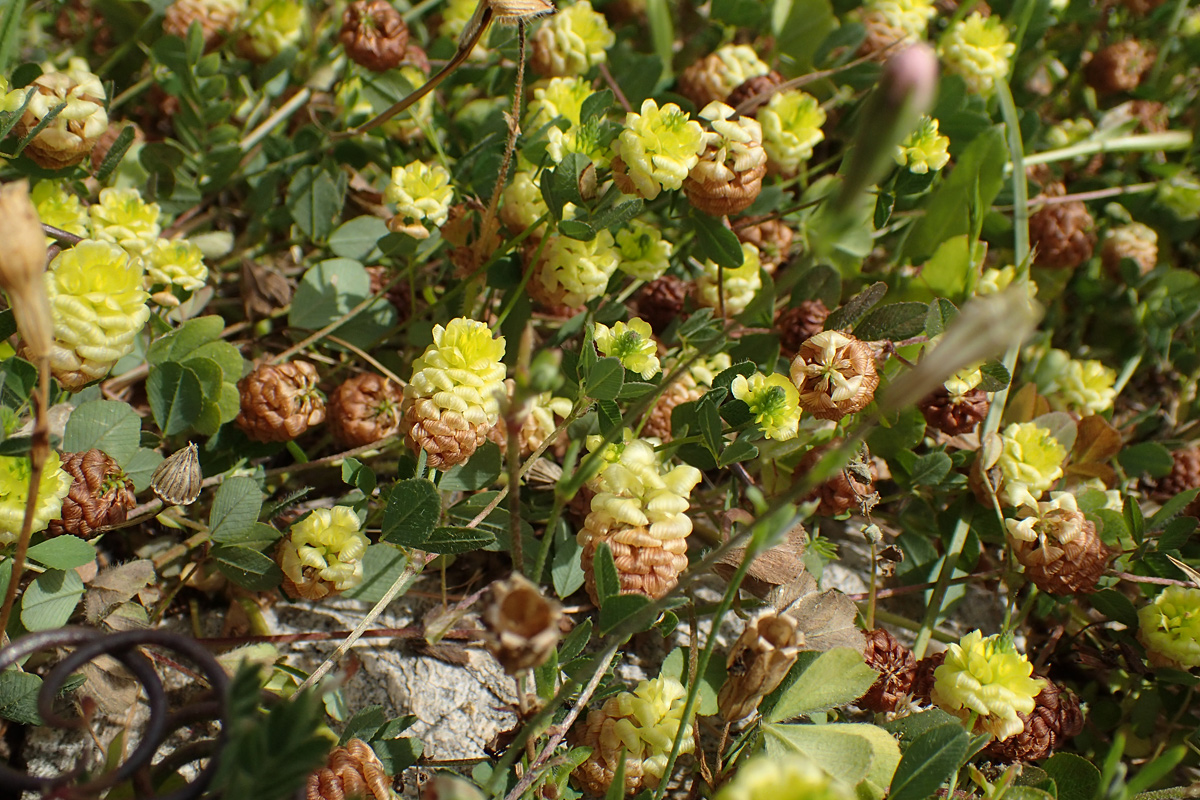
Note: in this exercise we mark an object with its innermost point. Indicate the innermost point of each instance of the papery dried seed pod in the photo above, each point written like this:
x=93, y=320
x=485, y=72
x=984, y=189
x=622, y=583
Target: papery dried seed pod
x=955, y=414
x=216, y=19
x=353, y=771
x=758, y=661
x=896, y=667
x=660, y=302
x=374, y=34
x=1061, y=232
x=1055, y=719
x=835, y=374
x=798, y=324
x=177, y=480
x=773, y=238
x=728, y=177
x=100, y=495
x=364, y=409
x=280, y=401
x=1119, y=67
x=522, y=624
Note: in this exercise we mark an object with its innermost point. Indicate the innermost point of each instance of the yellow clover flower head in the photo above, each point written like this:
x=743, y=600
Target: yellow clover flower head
x=176, y=263
x=645, y=254
x=653, y=713
x=14, y=492
x=421, y=193
x=634, y=489
x=791, y=126
x=572, y=41
x=791, y=777
x=1030, y=462
x=978, y=49
x=740, y=284
x=1169, y=627
x=523, y=203
x=10, y=99
x=1052, y=523
x=774, y=402
x=557, y=97
x=98, y=306
x=910, y=17
x=273, y=26
x=329, y=543
x=462, y=371
x=988, y=677
x=577, y=271
x=1084, y=386
x=124, y=218
x=659, y=147
x=59, y=207
x=632, y=344
x=924, y=149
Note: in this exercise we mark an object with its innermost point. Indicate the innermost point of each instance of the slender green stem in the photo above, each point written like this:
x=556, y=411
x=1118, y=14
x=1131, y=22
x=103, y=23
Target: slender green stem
x=1137, y=143
x=934, y=608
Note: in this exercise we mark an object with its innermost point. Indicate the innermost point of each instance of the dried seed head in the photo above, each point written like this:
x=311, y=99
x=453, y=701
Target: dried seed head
x=835, y=374
x=1058, y=546
x=798, y=324
x=22, y=267
x=363, y=409
x=178, y=480
x=660, y=302
x=1134, y=241
x=216, y=19
x=896, y=667
x=847, y=490
x=1119, y=67
x=758, y=661
x=70, y=136
x=374, y=34
x=280, y=401
x=1056, y=718
x=100, y=495
x=715, y=76
x=352, y=772
x=522, y=624
x=728, y=177
x=955, y=414
x=1184, y=475
x=1061, y=232
x=773, y=238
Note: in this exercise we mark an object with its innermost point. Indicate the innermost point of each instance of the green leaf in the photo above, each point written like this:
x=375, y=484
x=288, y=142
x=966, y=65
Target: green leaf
x=10, y=30
x=941, y=313
x=717, y=243
x=740, y=450
x=561, y=186
x=329, y=291
x=619, y=608
x=235, y=508
x=566, y=571
x=140, y=468
x=382, y=566
x=931, y=469
x=49, y=601
x=819, y=682
x=576, y=229
x=895, y=321
x=621, y=212
x=929, y=762
x=115, y=153
x=411, y=514
x=1169, y=509
x=18, y=697
x=709, y=421
x=247, y=567
x=359, y=238
x=314, y=199
x=63, y=552
x=1146, y=458
x=856, y=308
x=608, y=582
x=185, y=340
x=595, y=105
x=210, y=375
x=849, y=752
x=604, y=380
x=175, y=397
x=906, y=729
x=995, y=376
x=1076, y=777
x=1115, y=606
x=450, y=539
x=106, y=425
x=574, y=642
x=482, y=469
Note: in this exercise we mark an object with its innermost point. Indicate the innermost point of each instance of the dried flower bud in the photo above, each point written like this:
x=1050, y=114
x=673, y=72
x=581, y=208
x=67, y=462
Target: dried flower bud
x=955, y=414
x=1061, y=233
x=1056, y=718
x=364, y=409
x=757, y=663
x=1119, y=67
x=1058, y=546
x=773, y=238
x=986, y=676
x=23, y=266
x=280, y=401
x=896, y=667
x=100, y=495
x=15, y=472
x=522, y=624
x=1184, y=475
x=322, y=554
x=835, y=374
x=846, y=490
x=352, y=772
x=177, y=480
x=1169, y=628
x=374, y=34
x=754, y=87
x=798, y=324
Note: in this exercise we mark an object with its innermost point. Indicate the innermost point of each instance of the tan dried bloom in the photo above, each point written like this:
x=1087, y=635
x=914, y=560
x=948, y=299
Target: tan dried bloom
x=352, y=772
x=773, y=238
x=374, y=34
x=897, y=667
x=280, y=401
x=216, y=18
x=522, y=624
x=1058, y=546
x=728, y=177
x=1061, y=233
x=1134, y=241
x=835, y=374
x=1056, y=718
x=70, y=136
x=1119, y=67
x=955, y=414
x=757, y=663
x=713, y=77
x=100, y=495
x=364, y=409
x=798, y=324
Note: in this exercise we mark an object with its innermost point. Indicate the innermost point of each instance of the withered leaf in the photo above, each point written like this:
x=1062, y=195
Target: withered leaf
x=827, y=619
x=780, y=566
x=263, y=290
x=110, y=684
x=114, y=586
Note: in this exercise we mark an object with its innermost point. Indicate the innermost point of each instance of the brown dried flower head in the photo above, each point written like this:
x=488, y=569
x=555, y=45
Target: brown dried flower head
x=352, y=772
x=660, y=302
x=522, y=624
x=280, y=401
x=757, y=663
x=100, y=495
x=773, y=238
x=1184, y=475
x=1056, y=718
x=374, y=34
x=835, y=374
x=846, y=490
x=754, y=87
x=1058, y=546
x=922, y=683
x=955, y=414
x=896, y=667
x=728, y=177
x=1061, y=232
x=216, y=18
x=798, y=324
x=1119, y=67
x=364, y=409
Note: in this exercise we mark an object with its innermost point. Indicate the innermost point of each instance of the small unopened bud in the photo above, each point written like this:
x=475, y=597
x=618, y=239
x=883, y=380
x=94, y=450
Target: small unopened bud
x=178, y=480
x=758, y=662
x=873, y=534
x=522, y=624
x=22, y=267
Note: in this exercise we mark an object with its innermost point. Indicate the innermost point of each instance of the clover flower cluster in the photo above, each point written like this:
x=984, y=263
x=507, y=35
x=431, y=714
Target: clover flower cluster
x=987, y=678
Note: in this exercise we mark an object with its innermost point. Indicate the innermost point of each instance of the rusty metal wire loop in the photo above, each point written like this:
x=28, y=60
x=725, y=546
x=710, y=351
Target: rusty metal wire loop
x=88, y=645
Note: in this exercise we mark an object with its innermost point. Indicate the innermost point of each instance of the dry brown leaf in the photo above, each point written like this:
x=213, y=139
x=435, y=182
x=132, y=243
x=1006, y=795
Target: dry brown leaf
x=114, y=586
x=779, y=566
x=109, y=684
x=827, y=619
